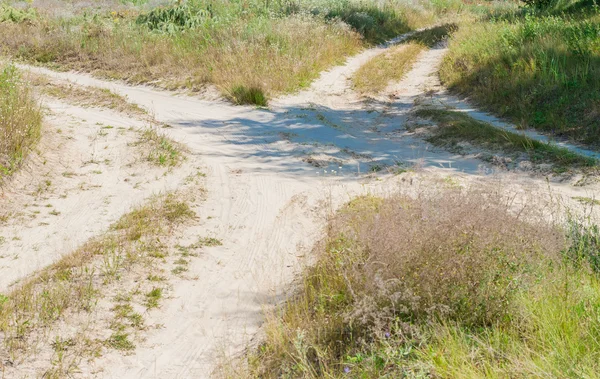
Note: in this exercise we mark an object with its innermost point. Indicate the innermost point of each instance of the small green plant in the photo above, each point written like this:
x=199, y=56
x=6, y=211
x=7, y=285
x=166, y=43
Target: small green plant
x=153, y=297
x=120, y=341
x=248, y=95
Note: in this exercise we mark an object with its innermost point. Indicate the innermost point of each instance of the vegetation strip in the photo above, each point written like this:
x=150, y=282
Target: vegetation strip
x=392, y=65
x=249, y=50
x=77, y=288
x=83, y=95
x=455, y=127
x=537, y=66
x=20, y=120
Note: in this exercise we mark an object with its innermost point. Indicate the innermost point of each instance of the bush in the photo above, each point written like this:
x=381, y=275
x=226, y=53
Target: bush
x=20, y=120
x=174, y=18
x=391, y=268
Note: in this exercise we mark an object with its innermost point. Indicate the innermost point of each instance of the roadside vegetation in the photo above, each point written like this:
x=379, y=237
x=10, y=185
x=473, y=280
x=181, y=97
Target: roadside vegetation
x=537, y=66
x=87, y=288
x=249, y=50
x=450, y=283
x=20, y=120
x=391, y=66
x=84, y=96
x=455, y=128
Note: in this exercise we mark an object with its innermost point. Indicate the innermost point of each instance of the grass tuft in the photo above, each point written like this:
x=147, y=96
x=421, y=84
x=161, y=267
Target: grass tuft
x=248, y=95
x=20, y=120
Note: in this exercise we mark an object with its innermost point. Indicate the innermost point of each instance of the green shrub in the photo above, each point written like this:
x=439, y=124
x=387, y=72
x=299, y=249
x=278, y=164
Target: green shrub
x=11, y=14
x=174, y=18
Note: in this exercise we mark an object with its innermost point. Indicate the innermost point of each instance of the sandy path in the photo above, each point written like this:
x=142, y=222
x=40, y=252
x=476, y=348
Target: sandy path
x=267, y=205
x=87, y=177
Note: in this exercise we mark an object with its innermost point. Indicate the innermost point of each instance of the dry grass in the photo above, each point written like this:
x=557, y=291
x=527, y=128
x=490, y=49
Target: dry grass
x=275, y=56
x=20, y=120
x=391, y=66
x=261, y=47
x=71, y=289
x=448, y=283
x=84, y=96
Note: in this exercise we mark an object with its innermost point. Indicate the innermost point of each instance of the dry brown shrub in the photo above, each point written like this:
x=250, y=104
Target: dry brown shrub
x=453, y=254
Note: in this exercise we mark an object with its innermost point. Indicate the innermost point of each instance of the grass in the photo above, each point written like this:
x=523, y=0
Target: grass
x=159, y=149
x=77, y=282
x=20, y=120
x=537, y=69
x=448, y=283
x=250, y=50
x=455, y=127
x=392, y=65
x=84, y=96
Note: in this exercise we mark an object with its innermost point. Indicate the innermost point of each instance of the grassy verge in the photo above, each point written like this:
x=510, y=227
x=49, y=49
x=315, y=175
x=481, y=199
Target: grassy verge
x=244, y=48
x=84, y=96
x=455, y=127
x=392, y=65
x=452, y=283
x=89, y=287
x=539, y=71
x=20, y=120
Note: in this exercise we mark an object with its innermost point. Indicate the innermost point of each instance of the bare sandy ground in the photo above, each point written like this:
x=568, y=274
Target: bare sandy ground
x=273, y=177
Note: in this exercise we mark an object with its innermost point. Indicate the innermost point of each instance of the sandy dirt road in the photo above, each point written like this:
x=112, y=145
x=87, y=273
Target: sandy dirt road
x=273, y=176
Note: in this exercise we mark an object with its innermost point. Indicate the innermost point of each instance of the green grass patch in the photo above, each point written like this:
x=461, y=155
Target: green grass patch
x=538, y=71
x=455, y=127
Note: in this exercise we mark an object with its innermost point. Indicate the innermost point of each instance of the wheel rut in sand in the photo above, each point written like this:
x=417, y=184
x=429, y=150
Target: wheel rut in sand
x=264, y=203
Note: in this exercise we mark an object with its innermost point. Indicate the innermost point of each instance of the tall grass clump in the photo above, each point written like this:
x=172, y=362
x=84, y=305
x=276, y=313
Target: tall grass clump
x=20, y=120
x=450, y=283
x=540, y=71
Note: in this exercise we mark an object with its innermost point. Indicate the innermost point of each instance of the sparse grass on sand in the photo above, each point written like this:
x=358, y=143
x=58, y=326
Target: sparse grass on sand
x=451, y=283
x=159, y=149
x=249, y=50
x=455, y=127
x=20, y=120
x=83, y=95
x=72, y=288
x=537, y=69
x=391, y=66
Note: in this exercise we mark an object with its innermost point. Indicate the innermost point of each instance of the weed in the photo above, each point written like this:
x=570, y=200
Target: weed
x=120, y=341
x=153, y=297
x=411, y=286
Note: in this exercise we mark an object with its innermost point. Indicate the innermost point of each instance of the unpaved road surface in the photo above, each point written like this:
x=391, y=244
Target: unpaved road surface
x=272, y=177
